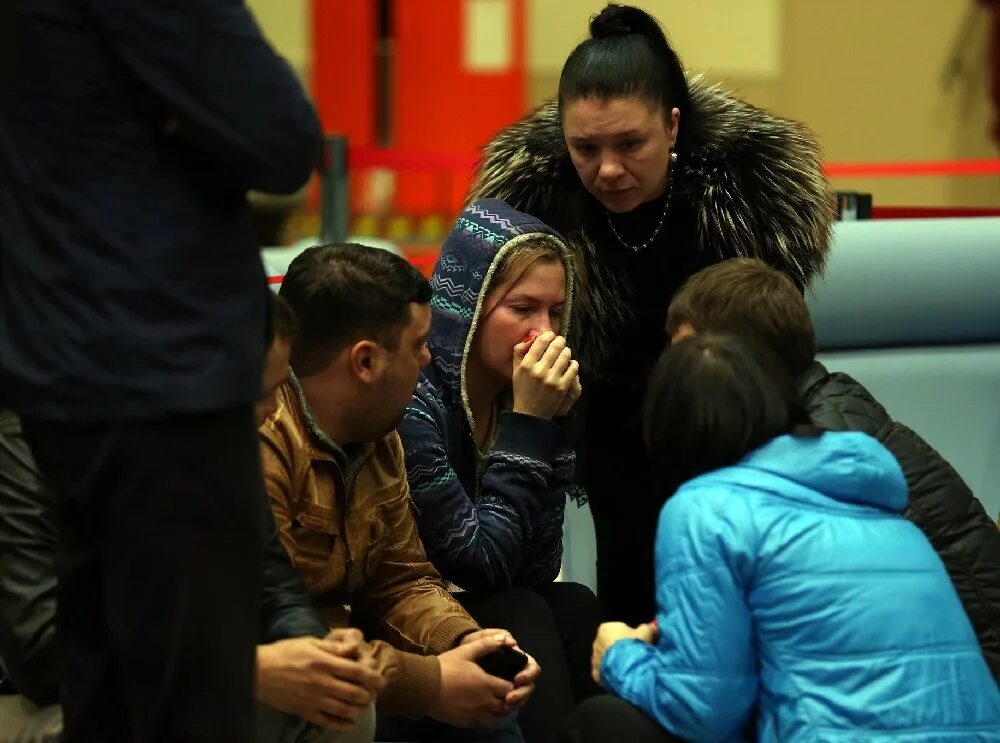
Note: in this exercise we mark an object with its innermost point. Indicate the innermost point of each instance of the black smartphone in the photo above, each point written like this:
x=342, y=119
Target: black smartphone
x=504, y=663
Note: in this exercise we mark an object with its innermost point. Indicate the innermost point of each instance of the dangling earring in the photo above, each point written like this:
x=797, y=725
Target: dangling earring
x=673, y=156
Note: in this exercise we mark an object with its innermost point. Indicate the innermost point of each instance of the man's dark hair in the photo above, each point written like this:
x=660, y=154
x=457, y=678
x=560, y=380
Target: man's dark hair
x=746, y=296
x=711, y=400
x=345, y=292
x=283, y=322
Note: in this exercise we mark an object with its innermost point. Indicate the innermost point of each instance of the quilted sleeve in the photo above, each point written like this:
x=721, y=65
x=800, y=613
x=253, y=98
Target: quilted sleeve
x=699, y=681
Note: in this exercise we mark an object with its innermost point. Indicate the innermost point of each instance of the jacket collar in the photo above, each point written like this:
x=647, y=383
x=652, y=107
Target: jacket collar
x=322, y=444
x=814, y=375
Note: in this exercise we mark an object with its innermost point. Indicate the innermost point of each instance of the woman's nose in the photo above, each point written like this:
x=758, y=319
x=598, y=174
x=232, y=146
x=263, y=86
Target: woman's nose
x=543, y=322
x=611, y=166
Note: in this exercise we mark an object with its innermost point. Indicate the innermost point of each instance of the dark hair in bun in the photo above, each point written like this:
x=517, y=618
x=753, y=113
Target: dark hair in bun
x=620, y=20
x=627, y=54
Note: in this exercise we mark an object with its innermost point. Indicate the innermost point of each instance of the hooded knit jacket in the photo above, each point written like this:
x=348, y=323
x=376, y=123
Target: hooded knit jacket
x=500, y=524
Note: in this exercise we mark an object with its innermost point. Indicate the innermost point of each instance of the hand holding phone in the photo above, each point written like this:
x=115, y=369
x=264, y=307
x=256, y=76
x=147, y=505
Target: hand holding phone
x=504, y=663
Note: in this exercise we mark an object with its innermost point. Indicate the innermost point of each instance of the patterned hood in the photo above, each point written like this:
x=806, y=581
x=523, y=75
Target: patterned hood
x=485, y=231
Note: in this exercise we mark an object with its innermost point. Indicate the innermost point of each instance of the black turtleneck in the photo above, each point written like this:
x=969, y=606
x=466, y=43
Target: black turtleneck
x=612, y=465
x=651, y=276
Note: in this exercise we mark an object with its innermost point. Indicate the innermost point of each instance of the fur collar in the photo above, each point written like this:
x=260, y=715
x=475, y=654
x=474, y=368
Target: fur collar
x=752, y=184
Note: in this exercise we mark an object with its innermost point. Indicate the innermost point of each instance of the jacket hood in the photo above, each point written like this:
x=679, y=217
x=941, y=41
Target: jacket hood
x=847, y=466
x=749, y=183
x=485, y=232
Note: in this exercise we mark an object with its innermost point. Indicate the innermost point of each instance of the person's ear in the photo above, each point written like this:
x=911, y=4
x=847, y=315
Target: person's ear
x=364, y=359
x=673, y=126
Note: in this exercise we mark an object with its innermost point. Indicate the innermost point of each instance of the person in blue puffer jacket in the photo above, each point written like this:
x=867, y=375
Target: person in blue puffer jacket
x=794, y=601
x=487, y=460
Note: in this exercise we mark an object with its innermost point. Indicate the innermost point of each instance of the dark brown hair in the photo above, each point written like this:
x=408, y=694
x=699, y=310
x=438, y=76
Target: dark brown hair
x=744, y=296
x=345, y=292
x=711, y=400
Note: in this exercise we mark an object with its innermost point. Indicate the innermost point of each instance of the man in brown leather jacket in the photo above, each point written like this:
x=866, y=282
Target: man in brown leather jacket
x=333, y=465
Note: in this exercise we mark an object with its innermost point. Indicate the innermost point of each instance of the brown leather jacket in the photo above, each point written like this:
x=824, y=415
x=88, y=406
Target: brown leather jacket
x=347, y=525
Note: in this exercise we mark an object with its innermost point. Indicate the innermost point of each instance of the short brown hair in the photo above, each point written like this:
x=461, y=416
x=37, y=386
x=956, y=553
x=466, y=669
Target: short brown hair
x=746, y=296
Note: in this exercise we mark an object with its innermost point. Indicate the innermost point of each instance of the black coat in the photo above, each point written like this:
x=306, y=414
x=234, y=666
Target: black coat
x=131, y=286
x=28, y=575
x=941, y=504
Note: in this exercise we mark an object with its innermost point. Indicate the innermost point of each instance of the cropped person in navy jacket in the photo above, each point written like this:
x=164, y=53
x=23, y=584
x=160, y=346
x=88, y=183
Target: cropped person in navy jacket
x=132, y=336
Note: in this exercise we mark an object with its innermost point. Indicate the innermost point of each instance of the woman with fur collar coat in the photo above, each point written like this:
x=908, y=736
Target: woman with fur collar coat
x=650, y=177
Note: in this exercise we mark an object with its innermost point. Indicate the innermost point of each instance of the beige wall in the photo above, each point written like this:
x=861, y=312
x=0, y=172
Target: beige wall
x=286, y=25
x=727, y=35
x=865, y=76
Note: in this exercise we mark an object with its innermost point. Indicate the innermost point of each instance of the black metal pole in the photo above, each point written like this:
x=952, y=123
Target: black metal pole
x=333, y=191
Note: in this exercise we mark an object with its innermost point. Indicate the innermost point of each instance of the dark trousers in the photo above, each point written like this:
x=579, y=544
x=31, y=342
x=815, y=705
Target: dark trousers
x=615, y=472
x=556, y=624
x=608, y=719
x=427, y=730
x=159, y=563
x=625, y=533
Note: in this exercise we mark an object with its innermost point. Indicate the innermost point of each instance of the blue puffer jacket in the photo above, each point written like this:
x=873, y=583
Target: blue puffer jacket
x=501, y=526
x=790, y=580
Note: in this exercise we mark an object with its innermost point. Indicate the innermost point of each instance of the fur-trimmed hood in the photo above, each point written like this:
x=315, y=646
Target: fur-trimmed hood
x=749, y=185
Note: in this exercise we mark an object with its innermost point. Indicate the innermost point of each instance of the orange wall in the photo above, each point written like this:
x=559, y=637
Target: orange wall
x=343, y=69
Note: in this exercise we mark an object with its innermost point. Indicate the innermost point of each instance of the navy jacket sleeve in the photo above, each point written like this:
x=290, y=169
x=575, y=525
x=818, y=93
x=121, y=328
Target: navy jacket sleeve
x=487, y=539
x=699, y=681
x=227, y=90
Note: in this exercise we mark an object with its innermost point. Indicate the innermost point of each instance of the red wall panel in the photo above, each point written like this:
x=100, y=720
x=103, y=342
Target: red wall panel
x=343, y=73
x=441, y=106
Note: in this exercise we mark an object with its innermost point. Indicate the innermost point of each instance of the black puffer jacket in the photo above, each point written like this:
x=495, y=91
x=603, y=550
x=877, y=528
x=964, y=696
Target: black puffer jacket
x=28, y=576
x=941, y=504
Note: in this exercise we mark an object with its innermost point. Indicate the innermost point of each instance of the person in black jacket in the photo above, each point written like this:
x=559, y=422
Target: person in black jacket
x=649, y=176
x=747, y=296
x=132, y=333
x=298, y=659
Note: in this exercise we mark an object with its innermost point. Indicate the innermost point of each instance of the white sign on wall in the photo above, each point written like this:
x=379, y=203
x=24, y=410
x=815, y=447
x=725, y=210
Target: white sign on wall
x=487, y=35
